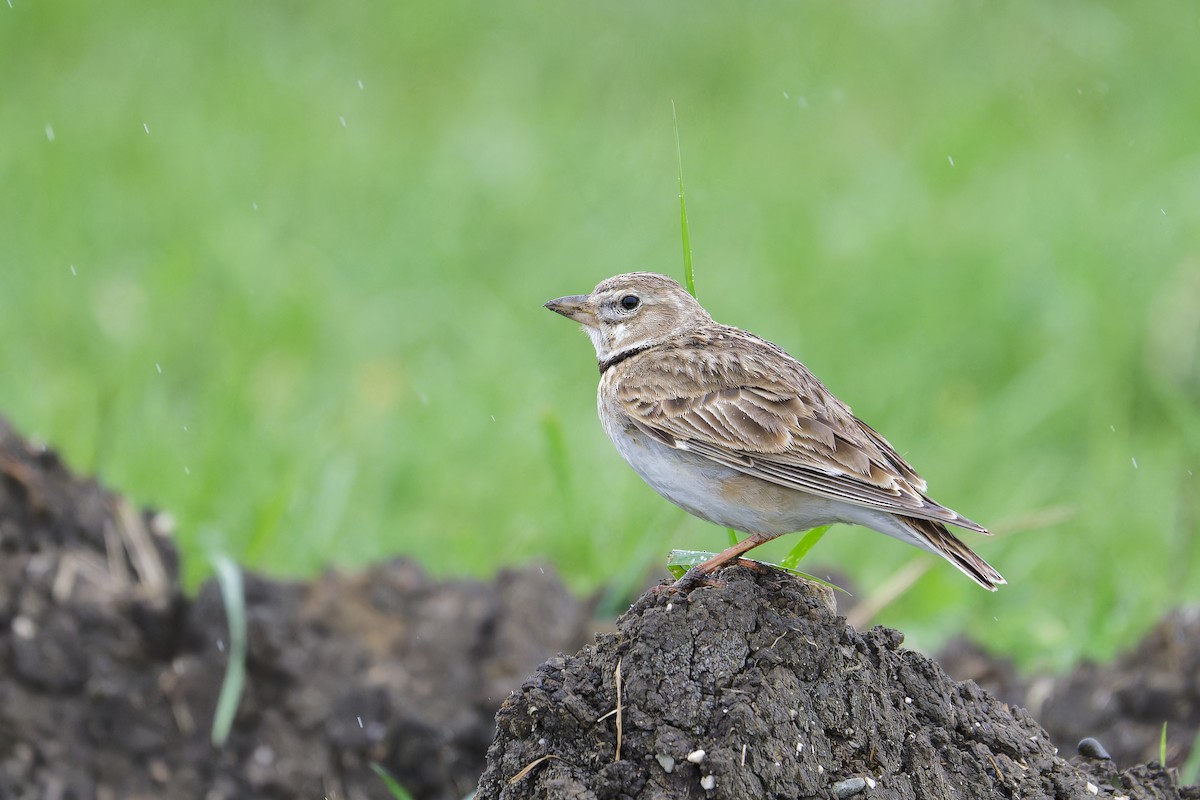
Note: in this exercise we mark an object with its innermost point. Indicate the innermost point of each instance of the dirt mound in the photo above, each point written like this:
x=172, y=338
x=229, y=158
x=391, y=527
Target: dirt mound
x=109, y=675
x=754, y=688
x=1123, y=704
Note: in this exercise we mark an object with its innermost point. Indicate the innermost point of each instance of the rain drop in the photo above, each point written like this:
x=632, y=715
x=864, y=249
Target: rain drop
x=951, y=160
x=360, y=84
x=342, y=120
x=73, y=272
x=49, y=127
x=146, y=127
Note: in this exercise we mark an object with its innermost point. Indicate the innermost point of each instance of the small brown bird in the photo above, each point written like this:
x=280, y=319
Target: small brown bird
x=732, y=429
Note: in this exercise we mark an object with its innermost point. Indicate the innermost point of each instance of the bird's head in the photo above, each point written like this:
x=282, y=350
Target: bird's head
x=632, y=311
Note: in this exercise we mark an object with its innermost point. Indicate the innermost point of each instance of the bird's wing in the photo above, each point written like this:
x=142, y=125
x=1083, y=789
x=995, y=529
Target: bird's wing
x=756, y=409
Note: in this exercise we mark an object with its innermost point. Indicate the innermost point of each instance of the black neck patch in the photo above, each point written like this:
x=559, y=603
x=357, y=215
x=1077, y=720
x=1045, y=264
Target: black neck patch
x=612, y=361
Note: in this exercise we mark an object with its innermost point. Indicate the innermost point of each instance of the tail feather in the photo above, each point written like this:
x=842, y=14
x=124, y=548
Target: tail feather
x=934, y=537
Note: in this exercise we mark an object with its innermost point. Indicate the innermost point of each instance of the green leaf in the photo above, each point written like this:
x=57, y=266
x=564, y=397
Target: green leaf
x=806, y=543
x=1162, y=746
x=680, y=561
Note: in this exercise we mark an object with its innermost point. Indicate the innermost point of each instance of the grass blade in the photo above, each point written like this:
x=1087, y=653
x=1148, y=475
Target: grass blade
x=689, y=279
x=680, y=561
x=1189, y=773
x=229, y=577
x=689, y=275
x=557, y=452
x=806, y=543
x=393, y=786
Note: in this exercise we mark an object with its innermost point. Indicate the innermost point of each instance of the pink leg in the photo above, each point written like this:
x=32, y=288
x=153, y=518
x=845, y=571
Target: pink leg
x=700, y=571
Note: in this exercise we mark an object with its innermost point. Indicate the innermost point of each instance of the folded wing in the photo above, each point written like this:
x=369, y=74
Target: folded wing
x=737, y=407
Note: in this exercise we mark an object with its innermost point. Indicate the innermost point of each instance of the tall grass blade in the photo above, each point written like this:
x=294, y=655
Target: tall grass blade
x=806, y=543
x=556, y=451
x=689, y=279
x=229, y=577
x=689, y=276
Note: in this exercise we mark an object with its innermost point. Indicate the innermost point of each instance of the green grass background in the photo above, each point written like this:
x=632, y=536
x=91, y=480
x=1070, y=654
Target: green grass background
x=278, y=268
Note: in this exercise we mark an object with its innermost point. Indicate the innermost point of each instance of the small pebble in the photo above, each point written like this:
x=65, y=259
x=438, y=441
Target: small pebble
x=696, y=756
x=666, y=762
x=849, y=787
x=708, y=782
x=1090, y=748
x=24, y=627
x=1093, y=788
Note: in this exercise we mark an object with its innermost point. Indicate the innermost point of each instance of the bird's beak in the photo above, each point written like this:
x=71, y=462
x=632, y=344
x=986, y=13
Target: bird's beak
x=576, y=306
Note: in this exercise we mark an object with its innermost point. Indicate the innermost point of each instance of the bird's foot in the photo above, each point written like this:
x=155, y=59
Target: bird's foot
x=698, y=576
x=691, y=579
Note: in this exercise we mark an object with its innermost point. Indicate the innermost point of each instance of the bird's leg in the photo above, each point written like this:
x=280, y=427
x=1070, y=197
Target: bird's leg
x=698, y=573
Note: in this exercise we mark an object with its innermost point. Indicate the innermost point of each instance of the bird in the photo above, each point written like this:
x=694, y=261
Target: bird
x=732, y=429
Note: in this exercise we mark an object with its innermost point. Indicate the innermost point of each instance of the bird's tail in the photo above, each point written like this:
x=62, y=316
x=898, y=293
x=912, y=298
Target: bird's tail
x=934, y=537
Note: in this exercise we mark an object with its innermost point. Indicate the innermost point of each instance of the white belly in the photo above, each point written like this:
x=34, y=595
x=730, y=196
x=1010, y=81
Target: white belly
x=717, y=493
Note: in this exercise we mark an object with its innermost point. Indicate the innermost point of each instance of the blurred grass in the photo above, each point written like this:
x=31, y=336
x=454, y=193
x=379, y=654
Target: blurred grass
x=278, y=268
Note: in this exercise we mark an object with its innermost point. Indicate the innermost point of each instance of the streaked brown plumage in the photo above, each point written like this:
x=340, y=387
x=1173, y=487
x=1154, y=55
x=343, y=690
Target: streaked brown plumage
x=697, y=407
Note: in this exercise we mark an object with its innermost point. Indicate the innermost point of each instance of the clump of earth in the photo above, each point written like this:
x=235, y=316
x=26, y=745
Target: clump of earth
x=110, y=675
x=753, y=687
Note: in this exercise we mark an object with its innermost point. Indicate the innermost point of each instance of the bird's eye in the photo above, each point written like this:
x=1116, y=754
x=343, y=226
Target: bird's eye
x=629, y=302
